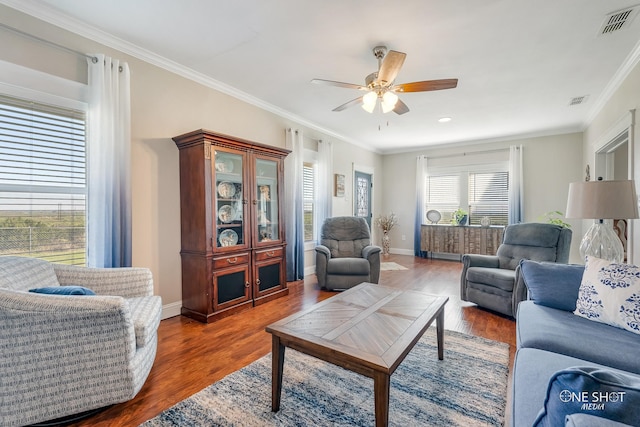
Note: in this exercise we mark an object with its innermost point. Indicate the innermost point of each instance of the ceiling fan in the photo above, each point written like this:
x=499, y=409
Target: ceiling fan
x=380, y=84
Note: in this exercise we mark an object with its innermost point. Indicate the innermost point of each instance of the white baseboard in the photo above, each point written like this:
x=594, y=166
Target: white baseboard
x=171, y=310
x=311, y=269
x=398, y=251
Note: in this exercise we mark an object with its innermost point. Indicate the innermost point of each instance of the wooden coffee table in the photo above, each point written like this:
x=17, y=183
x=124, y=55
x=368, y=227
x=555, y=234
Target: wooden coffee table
x=368, y=329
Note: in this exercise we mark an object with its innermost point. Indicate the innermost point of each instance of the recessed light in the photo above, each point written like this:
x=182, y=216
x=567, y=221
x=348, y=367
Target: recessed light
x=444, y=119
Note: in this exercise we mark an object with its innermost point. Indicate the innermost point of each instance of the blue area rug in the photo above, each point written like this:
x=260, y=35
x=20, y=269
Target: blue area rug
x=467, y=388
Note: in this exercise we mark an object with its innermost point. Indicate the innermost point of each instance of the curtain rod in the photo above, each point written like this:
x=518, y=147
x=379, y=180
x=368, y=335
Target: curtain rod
x=495, y=150
x=48, y=42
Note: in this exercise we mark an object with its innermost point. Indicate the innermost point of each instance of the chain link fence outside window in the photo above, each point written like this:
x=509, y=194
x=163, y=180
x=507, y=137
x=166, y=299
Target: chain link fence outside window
x=65, y=245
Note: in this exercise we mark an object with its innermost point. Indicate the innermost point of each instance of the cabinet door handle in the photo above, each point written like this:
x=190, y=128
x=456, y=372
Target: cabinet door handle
x=270, y=253
x=258, y=282
x=247, y=284
x=232, y=260
x=255, y=202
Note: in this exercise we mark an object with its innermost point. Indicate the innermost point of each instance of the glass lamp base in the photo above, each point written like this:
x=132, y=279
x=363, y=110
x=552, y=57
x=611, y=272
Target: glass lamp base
x=602, y=242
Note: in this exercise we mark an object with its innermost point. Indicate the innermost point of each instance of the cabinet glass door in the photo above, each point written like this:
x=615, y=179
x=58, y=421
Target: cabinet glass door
x=229, y=200
x=266, y=203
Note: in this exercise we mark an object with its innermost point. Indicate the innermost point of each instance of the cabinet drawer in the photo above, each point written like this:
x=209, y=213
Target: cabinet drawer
x=269, y=254
x=231, y=260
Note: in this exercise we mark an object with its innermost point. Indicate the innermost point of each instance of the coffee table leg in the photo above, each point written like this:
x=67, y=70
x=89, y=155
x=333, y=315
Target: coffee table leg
x=440, y=333
x=277, y=359
x=381, y=383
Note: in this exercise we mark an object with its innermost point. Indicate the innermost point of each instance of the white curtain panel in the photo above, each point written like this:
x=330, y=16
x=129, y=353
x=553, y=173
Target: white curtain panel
x=293, y=215
x=109, y=164
x=515, y=185
x=324, y=187
x=421, y=184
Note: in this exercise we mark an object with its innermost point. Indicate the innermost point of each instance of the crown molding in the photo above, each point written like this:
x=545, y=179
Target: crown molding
x=614, y=84
x=47, y=14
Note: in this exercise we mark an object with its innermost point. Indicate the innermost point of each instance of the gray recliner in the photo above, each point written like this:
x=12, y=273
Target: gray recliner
x=345, y=256
x=491, y=281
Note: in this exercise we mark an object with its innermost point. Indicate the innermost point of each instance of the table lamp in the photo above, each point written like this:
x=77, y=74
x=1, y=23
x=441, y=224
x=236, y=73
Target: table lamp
x=602, y=200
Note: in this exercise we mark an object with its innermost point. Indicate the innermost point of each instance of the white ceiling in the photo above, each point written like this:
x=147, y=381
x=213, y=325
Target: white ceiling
x=519, y=62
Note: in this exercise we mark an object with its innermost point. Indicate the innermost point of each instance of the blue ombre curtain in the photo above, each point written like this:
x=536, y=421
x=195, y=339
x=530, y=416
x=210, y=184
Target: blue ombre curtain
x=324, y=184
x=109, y=164
x=421, y=183
x=516, y=211
x=293, y=215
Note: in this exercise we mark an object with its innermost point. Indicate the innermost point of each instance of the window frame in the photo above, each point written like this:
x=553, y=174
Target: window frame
x=310, y=157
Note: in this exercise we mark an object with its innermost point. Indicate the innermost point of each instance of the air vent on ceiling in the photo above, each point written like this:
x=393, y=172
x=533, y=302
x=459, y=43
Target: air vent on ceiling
x=619, y=20
x=578, y=100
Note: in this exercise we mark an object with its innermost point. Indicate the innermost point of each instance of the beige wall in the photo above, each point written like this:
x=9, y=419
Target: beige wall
x=549, y=164
x=163, y=105
x=619, y=109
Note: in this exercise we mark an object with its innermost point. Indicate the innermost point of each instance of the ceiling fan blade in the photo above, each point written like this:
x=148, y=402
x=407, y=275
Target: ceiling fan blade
x=346, y=105
x=338, y=84
x=391, y=64
x=400, y=107
x=426, y=85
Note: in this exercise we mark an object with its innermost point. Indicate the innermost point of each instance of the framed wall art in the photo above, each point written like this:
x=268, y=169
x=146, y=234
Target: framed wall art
x=338, y=185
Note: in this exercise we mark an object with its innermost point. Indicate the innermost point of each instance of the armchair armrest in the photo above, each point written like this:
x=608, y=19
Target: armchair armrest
x=323, y=250
x=323, y=255
x=367, y=251
x=475, y=260
x=126, y=282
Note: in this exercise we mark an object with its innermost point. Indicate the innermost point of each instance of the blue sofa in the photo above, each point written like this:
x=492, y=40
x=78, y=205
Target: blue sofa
x=551, y=339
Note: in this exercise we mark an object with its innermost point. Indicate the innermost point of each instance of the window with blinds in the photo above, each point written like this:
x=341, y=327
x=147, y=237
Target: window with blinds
x=489, y=196
x=42, y=181
x=308, y=202
x=443, y=194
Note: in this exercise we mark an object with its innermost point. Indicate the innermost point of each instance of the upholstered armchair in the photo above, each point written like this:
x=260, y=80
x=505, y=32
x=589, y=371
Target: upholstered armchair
x=490, y=281
x=345, y=256
x=62, y=355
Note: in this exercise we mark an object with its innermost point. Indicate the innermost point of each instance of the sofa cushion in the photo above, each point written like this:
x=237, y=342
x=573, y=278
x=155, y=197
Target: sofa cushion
x=610, y=293
x=531, y=373
x=22, y=273
x=563, y=332
x=63, y=290
x=552, y=285
x=145, y=314
x=495, y=277
x=590, y=390
x=348, y=266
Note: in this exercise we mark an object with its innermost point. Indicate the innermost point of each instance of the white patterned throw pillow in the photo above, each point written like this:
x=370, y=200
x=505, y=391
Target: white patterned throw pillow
x=610, y=293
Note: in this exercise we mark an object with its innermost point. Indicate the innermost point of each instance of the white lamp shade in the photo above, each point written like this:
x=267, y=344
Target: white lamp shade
x=389, y=100
x=602, y=200
x=369, y=101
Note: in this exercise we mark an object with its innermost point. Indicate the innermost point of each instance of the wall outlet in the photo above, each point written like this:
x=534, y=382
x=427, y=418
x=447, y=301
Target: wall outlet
x=404, y=237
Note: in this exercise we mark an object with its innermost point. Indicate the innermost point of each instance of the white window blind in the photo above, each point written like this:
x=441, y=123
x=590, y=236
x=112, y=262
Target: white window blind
x=489, y=196
x=42, y=181
x=308, y=202
x=443, y=194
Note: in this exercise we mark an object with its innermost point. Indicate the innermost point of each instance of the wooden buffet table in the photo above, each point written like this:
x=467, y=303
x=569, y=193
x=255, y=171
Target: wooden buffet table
x=460, y=239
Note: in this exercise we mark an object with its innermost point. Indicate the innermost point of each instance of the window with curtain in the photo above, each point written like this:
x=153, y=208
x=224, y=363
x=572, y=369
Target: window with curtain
x=481, y=192
x=43, y=183
x=308, y=202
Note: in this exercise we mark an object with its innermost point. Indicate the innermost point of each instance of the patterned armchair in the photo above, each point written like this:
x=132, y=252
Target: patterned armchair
x=62, y=355
x=345, y=257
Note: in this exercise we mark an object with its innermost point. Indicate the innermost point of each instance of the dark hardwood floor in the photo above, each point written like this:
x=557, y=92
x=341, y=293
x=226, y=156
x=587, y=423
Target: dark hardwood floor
x=192, y=355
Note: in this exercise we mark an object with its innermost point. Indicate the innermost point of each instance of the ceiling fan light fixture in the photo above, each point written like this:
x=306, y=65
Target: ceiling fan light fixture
x=369, y=101
x=389, y=101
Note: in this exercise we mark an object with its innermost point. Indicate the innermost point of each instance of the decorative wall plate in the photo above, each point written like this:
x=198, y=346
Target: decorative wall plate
x=226, y=190
x=433, y=216
x=224, y=165
x=228, y=238
x=227, y=214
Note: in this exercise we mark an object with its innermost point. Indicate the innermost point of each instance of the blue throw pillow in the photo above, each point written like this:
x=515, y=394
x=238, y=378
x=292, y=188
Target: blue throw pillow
x=64, y=290
x=590, y=390
x=552, y=285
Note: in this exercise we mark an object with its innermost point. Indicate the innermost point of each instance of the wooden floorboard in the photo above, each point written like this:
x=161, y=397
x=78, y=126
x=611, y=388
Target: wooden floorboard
x=193, y=355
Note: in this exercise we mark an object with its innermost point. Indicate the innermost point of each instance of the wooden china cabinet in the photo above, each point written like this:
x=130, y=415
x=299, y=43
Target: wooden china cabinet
x=232, y=233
